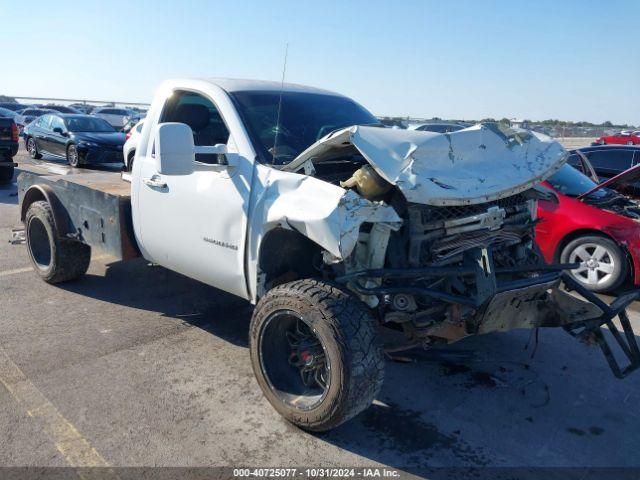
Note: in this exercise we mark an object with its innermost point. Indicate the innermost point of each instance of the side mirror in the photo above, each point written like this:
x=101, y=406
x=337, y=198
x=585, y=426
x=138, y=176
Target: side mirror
x=58, y=130
x=174, y=149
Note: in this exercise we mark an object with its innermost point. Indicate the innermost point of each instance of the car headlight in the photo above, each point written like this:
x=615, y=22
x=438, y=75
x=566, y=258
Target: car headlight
x=88, y=144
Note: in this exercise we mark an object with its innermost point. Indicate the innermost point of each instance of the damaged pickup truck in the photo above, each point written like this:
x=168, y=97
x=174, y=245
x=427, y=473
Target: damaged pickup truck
x=297, y=200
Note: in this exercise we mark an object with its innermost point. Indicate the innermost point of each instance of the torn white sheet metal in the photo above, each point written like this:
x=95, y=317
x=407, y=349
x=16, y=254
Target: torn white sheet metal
x=324, y=213
x=474, y=165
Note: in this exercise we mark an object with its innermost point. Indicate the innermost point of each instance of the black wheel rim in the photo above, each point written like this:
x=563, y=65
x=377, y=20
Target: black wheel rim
x=294, y=360
x=73, y=156
x=39, y=244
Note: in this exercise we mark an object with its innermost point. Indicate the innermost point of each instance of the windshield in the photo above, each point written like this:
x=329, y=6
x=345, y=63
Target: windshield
x=571, y=182
x=88, y=124
x=304, y=119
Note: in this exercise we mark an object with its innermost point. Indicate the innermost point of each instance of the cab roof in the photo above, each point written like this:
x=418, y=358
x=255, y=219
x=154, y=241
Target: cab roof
x=243, y=85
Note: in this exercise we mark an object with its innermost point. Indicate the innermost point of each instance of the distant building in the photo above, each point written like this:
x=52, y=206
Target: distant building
x=518, y=123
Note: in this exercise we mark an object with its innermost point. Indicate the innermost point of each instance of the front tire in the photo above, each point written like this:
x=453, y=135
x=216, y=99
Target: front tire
x=54, y=259
x=603, y=265
x=72, y=155
x=32, y=148
x=315, y=353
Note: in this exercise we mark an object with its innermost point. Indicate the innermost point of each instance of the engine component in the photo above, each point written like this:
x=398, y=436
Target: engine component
x=368, y=183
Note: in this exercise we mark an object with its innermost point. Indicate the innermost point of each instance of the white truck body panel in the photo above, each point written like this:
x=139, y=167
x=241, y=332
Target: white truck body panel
x=327, y=214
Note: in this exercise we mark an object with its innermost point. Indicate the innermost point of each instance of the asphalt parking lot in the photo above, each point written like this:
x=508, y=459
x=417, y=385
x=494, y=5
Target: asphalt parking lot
x=138, y=366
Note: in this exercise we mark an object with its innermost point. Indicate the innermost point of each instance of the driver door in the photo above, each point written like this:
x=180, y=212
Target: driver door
x=196, y=224
x=56, y=142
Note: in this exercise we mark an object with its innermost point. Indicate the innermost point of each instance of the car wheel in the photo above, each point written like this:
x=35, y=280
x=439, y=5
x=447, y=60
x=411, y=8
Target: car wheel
x=54, y=259
x=130, y=161
x=32, y=148
x=72, y=155
x=315, y=353
x=603, y=265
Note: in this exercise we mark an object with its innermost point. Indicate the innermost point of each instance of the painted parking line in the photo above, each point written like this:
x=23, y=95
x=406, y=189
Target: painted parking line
x=15, y=271
x=76, y=450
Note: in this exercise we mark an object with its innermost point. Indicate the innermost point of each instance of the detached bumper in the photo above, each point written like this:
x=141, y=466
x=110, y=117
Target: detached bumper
x=537, y=301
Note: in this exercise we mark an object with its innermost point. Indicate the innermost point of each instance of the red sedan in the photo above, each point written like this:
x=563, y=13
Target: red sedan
x=620, y=138
x=600, y=230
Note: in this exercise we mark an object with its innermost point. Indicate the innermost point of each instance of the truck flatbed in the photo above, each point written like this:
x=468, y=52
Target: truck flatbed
x=97, y=204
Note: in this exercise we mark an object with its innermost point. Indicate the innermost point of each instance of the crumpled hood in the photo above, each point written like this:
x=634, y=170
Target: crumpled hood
x=474, y=165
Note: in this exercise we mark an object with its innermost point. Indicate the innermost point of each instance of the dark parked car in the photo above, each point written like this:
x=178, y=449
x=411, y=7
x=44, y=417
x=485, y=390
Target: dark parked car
x=607, y=162
x=81, y=139
x=8, y=148
x=440, y=127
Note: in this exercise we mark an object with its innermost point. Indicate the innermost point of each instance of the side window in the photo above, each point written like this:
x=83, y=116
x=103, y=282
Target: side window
x=612, y=161
x=56, y=122
x=44, y=121
x=575, y=162
x=202, y=116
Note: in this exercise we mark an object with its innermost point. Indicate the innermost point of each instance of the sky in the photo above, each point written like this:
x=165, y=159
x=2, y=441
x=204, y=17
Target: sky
x=566, y=59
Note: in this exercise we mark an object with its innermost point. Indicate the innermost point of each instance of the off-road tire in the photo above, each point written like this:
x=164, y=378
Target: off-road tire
x=67, y=259
x=615, y=251
x=348, y=333
x=33, y=151
x=6, y=173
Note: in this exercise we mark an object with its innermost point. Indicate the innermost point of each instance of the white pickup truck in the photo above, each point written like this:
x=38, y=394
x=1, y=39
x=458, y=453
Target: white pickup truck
x=297, y=200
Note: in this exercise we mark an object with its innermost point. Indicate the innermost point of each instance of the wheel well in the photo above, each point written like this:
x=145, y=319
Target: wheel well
x=575, y=234
x=286, y=255
x=42, y=192
x=597, y=233
x=32, y=195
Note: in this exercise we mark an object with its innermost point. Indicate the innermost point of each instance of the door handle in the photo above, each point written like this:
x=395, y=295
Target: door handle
x=154, y=182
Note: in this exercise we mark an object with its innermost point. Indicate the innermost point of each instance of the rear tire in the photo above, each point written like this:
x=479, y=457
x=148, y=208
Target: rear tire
x=309, y=324
x=603, y=263
x=54, y=259
x=32, y=148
